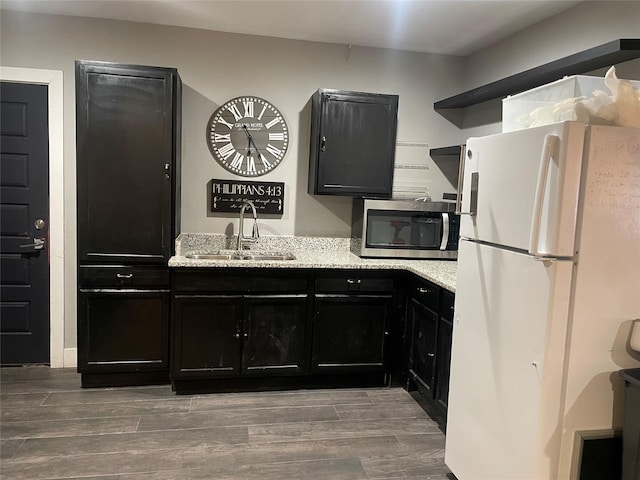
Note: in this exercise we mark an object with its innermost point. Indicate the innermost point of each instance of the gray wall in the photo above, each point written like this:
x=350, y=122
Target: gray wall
x=216, y=67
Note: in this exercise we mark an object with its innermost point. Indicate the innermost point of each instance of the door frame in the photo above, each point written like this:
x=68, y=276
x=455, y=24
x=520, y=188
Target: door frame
x=53, y=79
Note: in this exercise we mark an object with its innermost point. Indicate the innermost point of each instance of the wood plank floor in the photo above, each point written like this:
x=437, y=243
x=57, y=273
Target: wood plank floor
x=50, y=428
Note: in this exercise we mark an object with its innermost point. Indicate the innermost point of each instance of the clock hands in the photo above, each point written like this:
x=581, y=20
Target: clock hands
x=250, y=139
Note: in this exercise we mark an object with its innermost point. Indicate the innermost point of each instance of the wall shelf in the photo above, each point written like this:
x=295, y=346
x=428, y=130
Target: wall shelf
x=605, y=55
x=453, y=151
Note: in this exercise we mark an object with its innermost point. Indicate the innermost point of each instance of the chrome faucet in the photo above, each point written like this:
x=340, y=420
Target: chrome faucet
x=254, y=234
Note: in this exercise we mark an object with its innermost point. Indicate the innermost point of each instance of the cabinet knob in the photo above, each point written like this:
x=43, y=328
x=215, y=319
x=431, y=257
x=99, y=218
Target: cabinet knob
x=237, y=336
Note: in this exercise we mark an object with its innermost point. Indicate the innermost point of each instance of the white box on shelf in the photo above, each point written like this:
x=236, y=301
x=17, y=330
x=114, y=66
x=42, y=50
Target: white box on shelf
x=563, y=100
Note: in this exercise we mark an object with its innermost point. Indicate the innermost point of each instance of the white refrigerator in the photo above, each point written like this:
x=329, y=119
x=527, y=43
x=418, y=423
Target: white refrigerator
x=548, y=285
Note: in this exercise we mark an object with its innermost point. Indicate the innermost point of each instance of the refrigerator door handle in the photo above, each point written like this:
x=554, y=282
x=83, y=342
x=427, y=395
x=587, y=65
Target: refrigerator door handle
x=460, y=178
x=473, y=196
x=549, y=151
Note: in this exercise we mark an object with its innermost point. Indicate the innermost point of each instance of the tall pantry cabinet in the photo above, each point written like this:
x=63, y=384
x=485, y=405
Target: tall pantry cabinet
x=128, y=163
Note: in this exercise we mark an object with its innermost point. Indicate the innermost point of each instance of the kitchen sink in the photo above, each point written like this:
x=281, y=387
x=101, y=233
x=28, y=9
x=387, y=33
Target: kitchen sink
x=274, y=257
x=210, y=256
x=265, y=256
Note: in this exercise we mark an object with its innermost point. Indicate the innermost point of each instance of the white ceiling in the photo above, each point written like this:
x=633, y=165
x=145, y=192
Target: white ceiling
x=444, y=27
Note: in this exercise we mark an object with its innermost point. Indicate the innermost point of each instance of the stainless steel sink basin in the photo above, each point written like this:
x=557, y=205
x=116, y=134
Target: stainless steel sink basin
x=265, y=256
x=274, y=257
x=211, y=256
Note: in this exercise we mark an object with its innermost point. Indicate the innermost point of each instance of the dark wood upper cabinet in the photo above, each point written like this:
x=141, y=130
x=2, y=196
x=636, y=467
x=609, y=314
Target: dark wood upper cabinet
x=128, y=124
x=353, y=139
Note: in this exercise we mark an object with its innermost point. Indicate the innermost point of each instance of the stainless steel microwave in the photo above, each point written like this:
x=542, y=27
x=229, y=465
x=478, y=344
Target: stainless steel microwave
x=404, y=229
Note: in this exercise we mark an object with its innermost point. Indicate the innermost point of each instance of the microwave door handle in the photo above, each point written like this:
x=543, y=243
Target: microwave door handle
x=445, y=231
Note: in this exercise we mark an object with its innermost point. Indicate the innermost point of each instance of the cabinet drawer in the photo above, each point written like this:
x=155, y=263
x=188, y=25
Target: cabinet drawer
x=447, y=300
x=426, y=293
x=123, y=276
x=218, y=280
x=353, y=283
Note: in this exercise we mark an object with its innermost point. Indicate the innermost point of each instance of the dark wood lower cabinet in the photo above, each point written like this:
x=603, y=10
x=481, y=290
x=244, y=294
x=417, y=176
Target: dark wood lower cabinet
x=274, y=335
x=245, y=329
x=205, y=338
x=424, y=325
x=231, y=335
x=429, y=320
x=235, y=329
x=123, y=336
x=443, y=355
x=350, y=333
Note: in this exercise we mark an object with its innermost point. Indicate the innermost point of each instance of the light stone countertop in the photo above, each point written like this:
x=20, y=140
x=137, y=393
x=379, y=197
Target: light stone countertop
x=310, y=252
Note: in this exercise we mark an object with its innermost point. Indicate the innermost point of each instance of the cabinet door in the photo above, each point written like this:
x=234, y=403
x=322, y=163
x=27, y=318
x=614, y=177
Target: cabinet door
x=445, y=330
x=354, y=145
x=274, y=334
x=423, y=344
x=123, y=331
x=125, y=161
x=349, y=333
x=207, y=336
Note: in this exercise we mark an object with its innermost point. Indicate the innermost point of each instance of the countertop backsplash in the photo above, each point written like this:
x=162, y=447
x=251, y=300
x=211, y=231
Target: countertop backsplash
x=204, y=243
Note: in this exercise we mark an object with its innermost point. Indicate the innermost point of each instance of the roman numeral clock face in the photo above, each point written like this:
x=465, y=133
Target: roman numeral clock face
x=248, y=136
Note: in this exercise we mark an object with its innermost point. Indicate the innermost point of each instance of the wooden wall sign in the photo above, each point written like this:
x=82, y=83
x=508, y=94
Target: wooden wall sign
x=228, y=195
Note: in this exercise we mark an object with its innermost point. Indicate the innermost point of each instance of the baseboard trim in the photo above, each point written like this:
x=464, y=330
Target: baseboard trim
x=70, y=357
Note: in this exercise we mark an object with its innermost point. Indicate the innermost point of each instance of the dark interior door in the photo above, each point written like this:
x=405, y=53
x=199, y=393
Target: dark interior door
x=24, y=219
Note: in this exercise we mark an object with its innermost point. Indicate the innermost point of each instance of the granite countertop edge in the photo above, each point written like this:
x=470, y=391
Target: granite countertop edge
x=310, y=253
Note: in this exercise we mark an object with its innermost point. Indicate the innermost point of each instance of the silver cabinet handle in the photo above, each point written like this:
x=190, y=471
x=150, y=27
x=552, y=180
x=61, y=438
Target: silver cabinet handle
x=423, y=290
x=323, y=144
x=124, y=275
x=352, y=281
x=38, y=244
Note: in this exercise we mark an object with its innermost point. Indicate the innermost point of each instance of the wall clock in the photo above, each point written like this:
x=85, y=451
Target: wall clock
x=248, y=136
